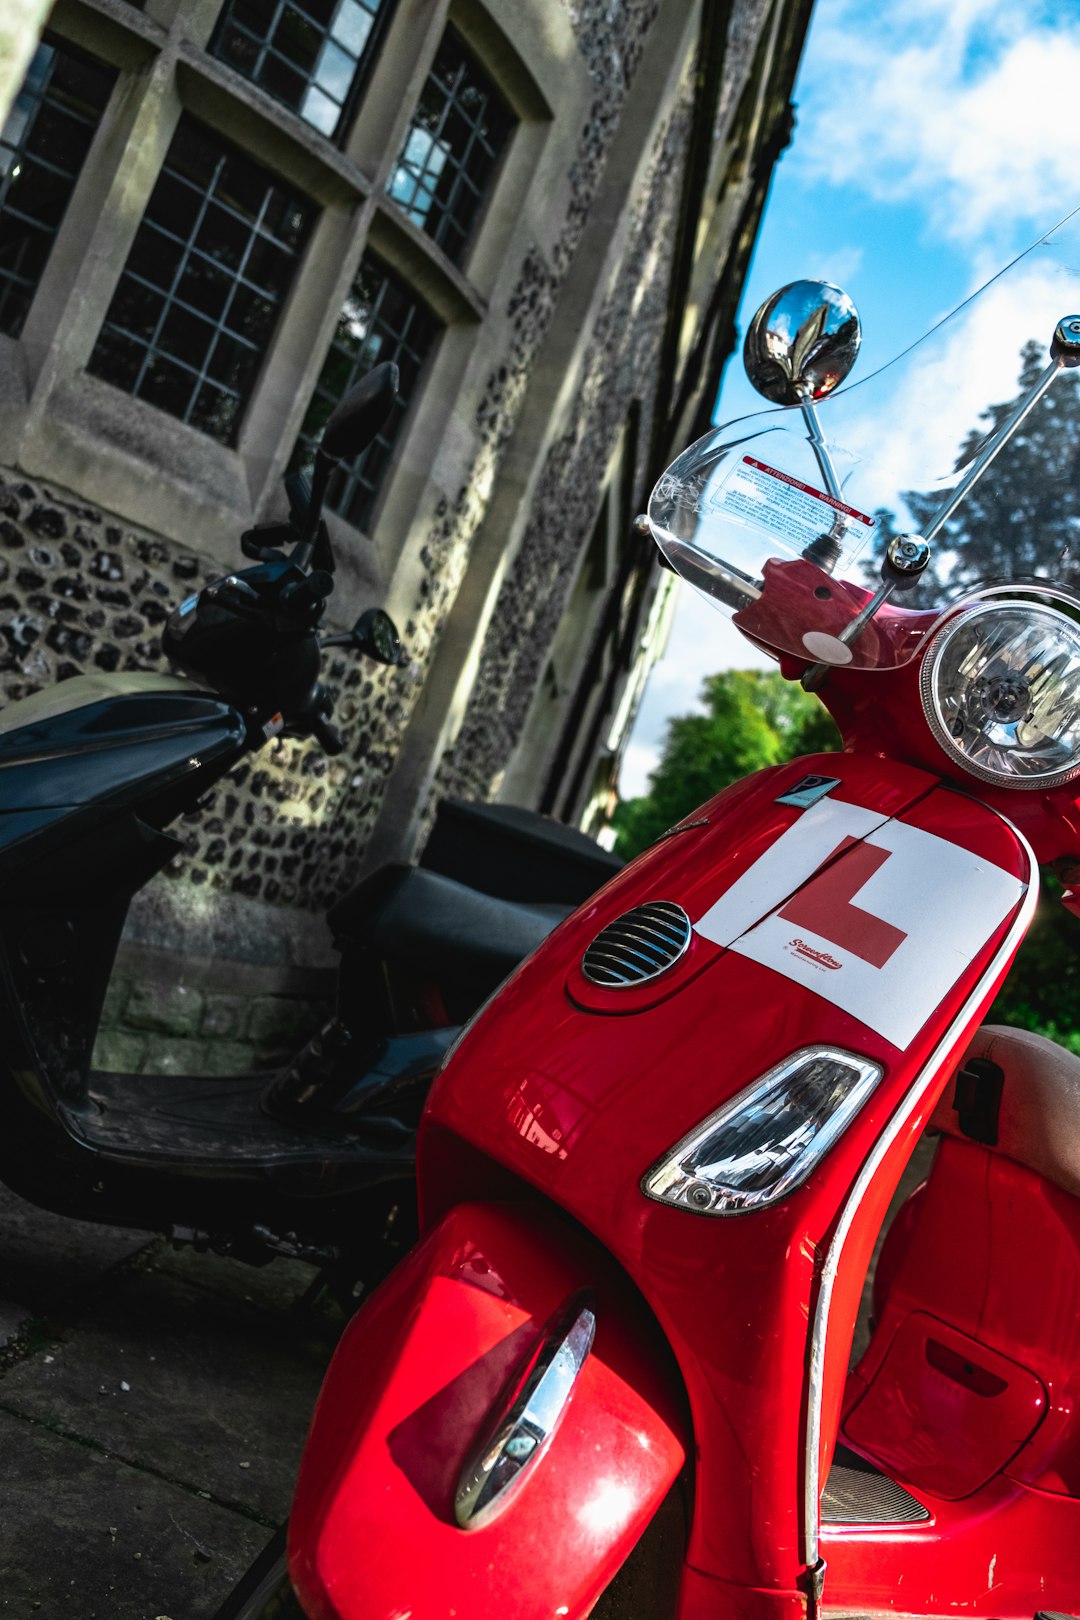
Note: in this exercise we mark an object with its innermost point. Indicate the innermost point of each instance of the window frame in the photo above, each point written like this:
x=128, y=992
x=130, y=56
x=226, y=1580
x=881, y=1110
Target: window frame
x=366, y=64
x=56, y=42
x=176, y=299
x=491, y=182
x=102, y=441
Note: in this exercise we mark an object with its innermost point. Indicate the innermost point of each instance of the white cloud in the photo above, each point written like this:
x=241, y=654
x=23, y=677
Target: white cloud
x=845, y=262
x=963, y=106
x=907, y=425
x=638, y=764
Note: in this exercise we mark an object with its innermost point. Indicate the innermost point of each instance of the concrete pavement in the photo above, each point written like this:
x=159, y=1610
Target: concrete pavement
x=153, y=1406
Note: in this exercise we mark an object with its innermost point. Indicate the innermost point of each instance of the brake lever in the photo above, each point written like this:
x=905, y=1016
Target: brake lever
x=307, y=597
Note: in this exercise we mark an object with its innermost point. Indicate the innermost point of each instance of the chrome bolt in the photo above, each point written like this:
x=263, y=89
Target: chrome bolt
x=908, y=553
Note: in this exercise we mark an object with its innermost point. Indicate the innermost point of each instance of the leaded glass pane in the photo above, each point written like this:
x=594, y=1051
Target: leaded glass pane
x=448, y=160
x=209, y=268
x=42, y=147
x=309, y=54
x=383, y=319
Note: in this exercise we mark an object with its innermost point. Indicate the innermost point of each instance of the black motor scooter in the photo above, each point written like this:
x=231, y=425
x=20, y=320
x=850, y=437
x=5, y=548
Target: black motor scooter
x=315, y=1161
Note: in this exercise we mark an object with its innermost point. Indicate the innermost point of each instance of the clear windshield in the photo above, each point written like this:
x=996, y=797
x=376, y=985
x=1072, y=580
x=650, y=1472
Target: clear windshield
x=781, y=517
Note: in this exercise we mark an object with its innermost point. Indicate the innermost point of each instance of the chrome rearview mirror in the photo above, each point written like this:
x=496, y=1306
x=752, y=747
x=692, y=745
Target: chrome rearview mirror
x=802, y=342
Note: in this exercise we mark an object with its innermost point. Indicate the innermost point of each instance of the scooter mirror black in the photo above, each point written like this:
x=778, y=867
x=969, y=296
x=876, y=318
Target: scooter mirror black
x=357, y=418
x=375, y=635
x=351, y=427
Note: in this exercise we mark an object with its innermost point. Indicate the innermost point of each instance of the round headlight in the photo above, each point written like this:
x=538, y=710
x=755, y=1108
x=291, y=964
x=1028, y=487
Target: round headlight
x=1001, y=690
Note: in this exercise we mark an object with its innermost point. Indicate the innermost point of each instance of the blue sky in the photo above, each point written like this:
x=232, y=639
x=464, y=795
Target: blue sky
x=933, y=140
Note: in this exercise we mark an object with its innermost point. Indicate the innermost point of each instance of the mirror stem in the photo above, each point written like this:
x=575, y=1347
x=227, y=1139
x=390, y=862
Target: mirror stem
x=320, y=477
x=820, y=447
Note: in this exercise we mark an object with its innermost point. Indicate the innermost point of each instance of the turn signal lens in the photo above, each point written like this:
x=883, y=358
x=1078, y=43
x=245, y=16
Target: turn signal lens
x=765, y=1142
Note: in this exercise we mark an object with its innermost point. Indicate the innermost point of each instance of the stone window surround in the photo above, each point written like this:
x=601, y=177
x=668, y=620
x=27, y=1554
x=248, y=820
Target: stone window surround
x=57, y=420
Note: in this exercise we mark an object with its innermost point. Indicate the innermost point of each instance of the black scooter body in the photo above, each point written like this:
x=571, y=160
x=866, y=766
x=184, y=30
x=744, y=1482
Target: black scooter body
x=78, y=836
x=313, y=1161
x=76, y=756
x=89, y=783
x=93, y=775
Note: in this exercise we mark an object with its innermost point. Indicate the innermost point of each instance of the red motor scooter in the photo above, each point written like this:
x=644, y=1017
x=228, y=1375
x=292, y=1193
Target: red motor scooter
x=613, y=1377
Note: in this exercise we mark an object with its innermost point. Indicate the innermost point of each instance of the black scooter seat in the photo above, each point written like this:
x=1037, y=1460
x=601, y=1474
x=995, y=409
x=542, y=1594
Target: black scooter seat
x=442, y=928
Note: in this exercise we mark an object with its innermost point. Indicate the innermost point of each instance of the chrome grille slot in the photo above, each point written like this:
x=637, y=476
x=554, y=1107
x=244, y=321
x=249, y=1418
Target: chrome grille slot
x=637, y=946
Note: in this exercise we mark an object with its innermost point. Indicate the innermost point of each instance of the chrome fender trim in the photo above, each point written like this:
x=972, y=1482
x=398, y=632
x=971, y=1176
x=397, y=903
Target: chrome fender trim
x=527, y=1412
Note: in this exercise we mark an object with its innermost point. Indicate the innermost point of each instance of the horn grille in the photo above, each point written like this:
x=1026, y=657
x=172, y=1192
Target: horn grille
x=637, y=946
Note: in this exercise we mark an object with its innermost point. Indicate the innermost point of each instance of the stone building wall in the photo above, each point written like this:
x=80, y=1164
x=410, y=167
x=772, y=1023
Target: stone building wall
x=81, y=592
x=84, y=591
x=84, y=588
x=620, y=371
x=622, y=358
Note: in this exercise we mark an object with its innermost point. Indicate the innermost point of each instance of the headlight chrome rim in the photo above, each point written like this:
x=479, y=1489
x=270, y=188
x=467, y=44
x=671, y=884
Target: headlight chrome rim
x=960, y=619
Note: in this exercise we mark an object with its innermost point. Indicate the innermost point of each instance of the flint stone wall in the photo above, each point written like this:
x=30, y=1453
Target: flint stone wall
x=285, y=834
x=81, y=591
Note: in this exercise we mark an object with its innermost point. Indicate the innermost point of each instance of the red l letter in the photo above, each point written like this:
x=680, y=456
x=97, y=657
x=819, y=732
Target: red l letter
x=824, y=905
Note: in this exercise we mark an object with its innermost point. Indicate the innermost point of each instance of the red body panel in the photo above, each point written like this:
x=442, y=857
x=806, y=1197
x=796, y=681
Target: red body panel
x=989, y=1271
x=575, y=1091
x=564, y=1094
x=992, y=1555
x=372, y=1535
x=984, y=1221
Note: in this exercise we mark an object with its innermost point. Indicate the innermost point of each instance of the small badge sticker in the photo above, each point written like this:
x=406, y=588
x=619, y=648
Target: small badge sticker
x=822, y=958
x=808, y=790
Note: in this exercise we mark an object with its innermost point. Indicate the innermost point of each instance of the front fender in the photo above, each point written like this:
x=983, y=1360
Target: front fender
x=411, y=1389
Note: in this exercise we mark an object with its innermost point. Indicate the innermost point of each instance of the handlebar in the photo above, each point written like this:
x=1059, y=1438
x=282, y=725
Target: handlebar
x=327, y=736
x=236, y=595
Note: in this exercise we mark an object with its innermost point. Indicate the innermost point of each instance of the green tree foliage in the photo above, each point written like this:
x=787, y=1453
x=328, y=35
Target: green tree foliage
x=752, y=719
x=1042, y=992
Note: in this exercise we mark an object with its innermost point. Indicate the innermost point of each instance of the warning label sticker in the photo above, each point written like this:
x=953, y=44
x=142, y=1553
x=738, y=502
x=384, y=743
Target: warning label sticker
x=758, y=494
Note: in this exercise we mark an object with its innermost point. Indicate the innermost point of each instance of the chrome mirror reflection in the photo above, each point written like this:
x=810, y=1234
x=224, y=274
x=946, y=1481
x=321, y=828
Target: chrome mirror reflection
x=802, y=342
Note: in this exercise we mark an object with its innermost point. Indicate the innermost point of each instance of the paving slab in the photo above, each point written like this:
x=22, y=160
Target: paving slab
x=206, y=1390
x=153, y=1407
x=83, y=1535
